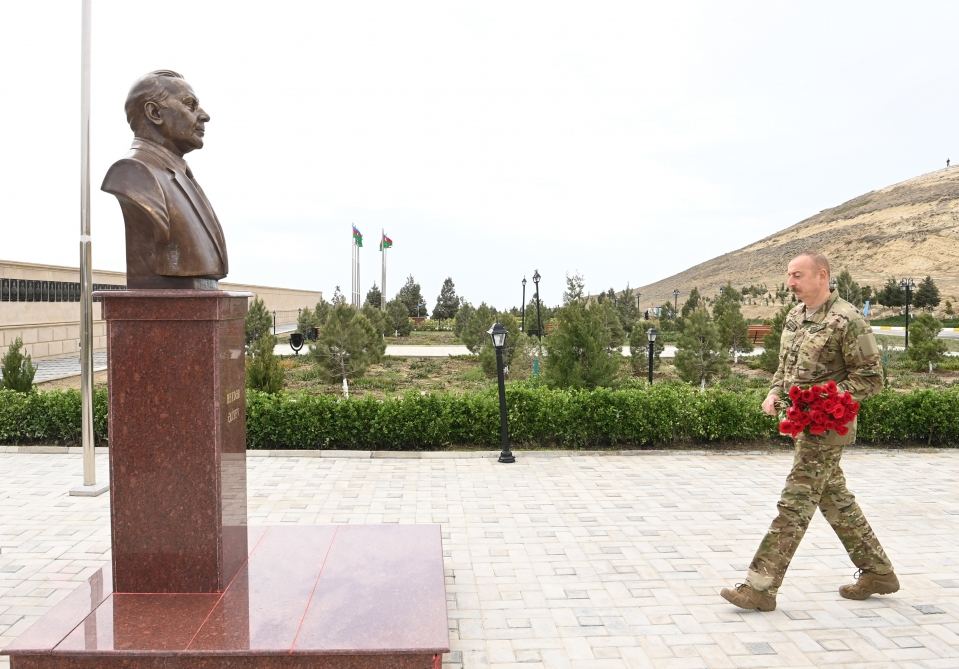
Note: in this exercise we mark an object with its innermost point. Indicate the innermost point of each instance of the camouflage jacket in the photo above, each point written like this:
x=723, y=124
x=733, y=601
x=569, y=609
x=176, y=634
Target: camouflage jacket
x=833, y=342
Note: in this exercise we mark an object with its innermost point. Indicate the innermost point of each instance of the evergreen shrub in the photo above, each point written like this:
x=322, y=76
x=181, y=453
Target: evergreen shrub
x=662, y=415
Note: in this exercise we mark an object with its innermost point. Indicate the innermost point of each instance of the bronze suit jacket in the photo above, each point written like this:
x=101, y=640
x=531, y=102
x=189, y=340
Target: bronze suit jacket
x=172, y=233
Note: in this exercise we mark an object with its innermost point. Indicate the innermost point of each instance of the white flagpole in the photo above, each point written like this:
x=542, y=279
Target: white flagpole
x=89, y=487
x=383, y=264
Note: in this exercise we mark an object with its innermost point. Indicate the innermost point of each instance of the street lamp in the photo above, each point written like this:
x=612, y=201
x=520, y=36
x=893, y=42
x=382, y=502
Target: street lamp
x=907, y=285
x=675, y=301
x=498, y=333
x=522, y=318
x=539, y=321
x=651, y=338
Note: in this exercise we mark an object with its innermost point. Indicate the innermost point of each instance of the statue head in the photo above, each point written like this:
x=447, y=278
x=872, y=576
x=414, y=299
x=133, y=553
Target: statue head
x=162, y=107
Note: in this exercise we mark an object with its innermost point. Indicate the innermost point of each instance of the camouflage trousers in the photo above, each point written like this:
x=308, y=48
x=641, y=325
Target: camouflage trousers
x=816, y=480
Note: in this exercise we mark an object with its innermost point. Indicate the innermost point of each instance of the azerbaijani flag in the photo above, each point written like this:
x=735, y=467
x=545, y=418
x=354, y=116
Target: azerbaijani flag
x=386, y=242
x=357, y=236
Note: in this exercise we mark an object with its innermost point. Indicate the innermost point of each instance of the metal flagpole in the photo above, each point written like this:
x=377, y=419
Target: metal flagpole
x=89, y=487
x=357, y=277
x=383, y=264
x=353, y=274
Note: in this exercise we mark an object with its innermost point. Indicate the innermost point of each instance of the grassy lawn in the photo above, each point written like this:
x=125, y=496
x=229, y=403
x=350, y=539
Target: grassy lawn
x=426, y=338
x=394, y=376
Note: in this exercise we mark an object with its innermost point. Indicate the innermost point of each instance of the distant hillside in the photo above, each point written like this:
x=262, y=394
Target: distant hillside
x=908, y=229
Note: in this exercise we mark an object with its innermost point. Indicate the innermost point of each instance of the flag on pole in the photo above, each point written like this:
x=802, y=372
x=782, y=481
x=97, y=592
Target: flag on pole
x=386, y=242
x=357, y=236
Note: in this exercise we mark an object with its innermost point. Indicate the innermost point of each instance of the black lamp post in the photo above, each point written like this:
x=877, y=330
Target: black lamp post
x=296, y=342
x=675, y=301
x=651, y=338
x=522, y=309
x=498, y=333
x=274, y=322
x=907, y=285
x=539, y=321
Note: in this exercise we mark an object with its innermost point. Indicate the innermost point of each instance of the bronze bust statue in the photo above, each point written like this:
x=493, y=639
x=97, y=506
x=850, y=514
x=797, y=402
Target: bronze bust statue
x=173, y=237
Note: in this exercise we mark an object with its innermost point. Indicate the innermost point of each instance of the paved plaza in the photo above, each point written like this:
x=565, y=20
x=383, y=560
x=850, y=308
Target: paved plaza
x=573, y=560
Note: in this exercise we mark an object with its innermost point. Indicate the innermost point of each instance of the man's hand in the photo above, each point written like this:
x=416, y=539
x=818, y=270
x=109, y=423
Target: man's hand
x=769, y=404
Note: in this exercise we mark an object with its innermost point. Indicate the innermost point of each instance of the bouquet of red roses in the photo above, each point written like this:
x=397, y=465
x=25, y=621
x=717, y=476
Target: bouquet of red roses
x=818, y=409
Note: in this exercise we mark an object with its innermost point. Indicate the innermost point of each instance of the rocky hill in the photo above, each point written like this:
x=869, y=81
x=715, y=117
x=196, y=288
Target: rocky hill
x=908, y=229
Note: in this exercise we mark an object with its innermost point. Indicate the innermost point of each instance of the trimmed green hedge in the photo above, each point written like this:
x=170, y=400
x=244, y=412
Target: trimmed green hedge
x=51, y=417
x=665, y=414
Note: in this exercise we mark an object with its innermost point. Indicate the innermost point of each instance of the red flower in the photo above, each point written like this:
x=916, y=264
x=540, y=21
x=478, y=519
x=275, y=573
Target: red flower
x=819, y=409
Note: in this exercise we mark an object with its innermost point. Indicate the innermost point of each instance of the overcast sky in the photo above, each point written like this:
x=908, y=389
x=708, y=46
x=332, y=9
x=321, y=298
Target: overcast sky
x=623, y=140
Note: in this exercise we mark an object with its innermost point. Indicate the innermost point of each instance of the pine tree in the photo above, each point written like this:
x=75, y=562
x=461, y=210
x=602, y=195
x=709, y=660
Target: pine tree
x=927, y=294
x=580, y=351
x=338, y=297
x=575, y=288
x=926, y=350
x=347, y=346
x=460, y=321
x=258, y=321
x=263, y=370
x=447, y=303
x=733, y=329
x=473, y=332
x=693, y=302
x=848, y=289
x=398, y=319
x=700, y=356
x=625, y=302
x=892, y=294
x=313, y=318
x=18, y=369
x=411, y=296
x=374, y=297
x=769, y=358
x=378, y=318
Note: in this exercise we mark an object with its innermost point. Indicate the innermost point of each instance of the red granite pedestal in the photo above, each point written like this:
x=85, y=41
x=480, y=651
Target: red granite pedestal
x=191, y=586
x=177, y=438
x=320, y=597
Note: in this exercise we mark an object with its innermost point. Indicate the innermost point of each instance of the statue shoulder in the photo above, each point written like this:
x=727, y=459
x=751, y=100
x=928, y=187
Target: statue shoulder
x=130, y=176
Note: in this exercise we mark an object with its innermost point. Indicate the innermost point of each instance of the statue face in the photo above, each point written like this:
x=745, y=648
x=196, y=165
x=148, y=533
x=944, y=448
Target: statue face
x=179, y=118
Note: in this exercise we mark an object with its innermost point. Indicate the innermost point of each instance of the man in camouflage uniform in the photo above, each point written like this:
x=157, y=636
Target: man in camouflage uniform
x=824, y=338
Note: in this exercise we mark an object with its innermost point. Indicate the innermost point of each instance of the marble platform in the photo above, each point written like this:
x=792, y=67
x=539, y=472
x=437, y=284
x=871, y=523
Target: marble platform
x=307, y=597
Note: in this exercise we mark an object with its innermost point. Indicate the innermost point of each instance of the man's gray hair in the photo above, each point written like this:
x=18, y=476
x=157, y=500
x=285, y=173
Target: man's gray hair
x=148, y=88
x=818, y=259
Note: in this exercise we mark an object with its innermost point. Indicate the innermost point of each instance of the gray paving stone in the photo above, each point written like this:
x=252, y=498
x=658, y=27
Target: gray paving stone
x=566, y=560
